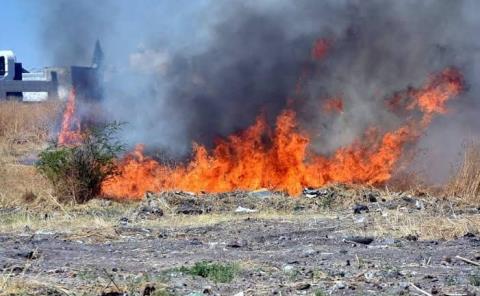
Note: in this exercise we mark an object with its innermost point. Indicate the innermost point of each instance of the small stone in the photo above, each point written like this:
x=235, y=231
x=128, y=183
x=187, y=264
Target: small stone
x=207, y=290
x=241, y=209
x=360, y=220
x=113, y=293
x=359, y=208
x=411, y=237
x=148, y=289
x=31, y=255
x=187, y=209
x=419, y=205
x=237, y=244
x=369, y=275
x=340, y=285
x=403, y=285
x=371, y=197
x=288, y=268
x=261, y=194
x=364, y=240
x=303, y=286
x=124, y=221
x=447, y=259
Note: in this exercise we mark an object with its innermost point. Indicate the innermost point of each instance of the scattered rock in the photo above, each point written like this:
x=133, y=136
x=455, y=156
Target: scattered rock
x=359, y=208
x=150, y=211
x=113, y=293
x=447, y=259
x=303, y=286
x=188, y=209
x=148, y=289
x=311, y=193
x=124, y=221
x=364, y=240
x=237, y=244
x=150, y=208
x=404, y=285
x=371, y=196
x=369, y=275
x=411, y=237
x=207, y=290
x=241, y=209
x=340, y=285
x=360, y=220
x=261, y=193
x=31, y=255
x=419, y=205
x=288, y=268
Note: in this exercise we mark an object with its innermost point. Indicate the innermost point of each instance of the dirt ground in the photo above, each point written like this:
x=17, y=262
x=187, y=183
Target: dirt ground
x=279, y=246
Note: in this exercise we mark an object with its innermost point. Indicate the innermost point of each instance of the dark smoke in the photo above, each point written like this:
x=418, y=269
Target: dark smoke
x=191, y=71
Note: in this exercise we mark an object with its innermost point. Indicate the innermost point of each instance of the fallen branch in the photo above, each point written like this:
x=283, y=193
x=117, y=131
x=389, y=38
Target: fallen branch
x=468, y=261
x=420, y=290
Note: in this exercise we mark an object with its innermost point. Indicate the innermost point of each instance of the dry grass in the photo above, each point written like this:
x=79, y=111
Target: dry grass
x=26, y=124
x=24, y=129
x=466, y=183
x=425, y=225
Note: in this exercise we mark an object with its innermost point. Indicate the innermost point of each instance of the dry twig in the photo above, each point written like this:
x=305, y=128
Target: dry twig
x=420, y=290
x=468, y=261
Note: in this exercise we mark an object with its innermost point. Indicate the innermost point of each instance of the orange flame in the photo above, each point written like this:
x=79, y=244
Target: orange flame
x=280, y=159
x=70, y=130
x=334, y=105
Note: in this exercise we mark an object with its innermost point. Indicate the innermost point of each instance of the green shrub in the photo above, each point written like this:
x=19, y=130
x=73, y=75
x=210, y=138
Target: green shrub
x=77, y=172
x=223, y=273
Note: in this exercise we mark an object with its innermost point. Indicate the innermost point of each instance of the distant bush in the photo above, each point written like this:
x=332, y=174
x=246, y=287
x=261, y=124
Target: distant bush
x=77, y=172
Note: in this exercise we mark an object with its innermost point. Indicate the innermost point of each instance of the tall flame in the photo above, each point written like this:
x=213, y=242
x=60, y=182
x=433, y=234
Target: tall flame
x=281, y=158
x=70, y=129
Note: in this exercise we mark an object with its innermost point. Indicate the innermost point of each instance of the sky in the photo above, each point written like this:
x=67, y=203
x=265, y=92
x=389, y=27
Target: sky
x=25, y=22
x=19, y=31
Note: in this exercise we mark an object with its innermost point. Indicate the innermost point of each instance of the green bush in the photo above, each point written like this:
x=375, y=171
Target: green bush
x=77, y=172
x=223, y=273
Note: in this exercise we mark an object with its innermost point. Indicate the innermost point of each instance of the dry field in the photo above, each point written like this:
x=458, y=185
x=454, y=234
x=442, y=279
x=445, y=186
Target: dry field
x=277, y=245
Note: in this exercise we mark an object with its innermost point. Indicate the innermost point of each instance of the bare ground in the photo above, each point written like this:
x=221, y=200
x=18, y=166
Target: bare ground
x=302, y=248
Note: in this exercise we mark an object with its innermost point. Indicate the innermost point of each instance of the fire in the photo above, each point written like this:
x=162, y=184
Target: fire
x=334, y=105
x=70, y=129
x=280, y=158
x=320, y=49
x=432, y=98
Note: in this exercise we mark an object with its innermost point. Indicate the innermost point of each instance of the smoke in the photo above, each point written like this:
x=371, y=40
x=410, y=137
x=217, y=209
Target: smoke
x=183, y=71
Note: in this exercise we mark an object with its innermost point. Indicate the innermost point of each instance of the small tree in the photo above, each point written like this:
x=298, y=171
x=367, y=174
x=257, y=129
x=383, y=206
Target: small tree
x=77, y=172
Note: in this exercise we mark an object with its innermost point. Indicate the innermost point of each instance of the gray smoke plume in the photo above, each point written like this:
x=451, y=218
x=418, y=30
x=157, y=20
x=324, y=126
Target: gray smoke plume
x=183, y=71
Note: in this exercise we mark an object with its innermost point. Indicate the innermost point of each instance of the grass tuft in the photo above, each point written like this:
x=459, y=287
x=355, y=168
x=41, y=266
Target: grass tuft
x=217, y=272
x=466, y=183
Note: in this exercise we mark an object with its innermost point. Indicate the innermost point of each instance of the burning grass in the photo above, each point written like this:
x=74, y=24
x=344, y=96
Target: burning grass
x=280, y=158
